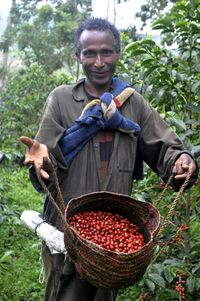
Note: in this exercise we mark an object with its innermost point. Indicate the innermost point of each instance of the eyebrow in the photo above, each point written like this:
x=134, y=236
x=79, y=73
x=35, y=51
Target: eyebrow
x=96, y=50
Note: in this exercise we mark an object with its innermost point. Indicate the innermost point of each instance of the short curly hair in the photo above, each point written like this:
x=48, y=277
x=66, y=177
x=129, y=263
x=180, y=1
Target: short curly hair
x=98, y=24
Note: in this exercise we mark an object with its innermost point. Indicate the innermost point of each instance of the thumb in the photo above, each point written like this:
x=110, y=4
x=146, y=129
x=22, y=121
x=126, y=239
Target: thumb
x=27, y=141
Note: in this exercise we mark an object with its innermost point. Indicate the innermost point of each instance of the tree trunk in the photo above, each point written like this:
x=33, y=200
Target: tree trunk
x=5, y=53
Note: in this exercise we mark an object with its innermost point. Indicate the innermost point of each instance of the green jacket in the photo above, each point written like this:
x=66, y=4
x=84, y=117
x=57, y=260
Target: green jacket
x=157, y=144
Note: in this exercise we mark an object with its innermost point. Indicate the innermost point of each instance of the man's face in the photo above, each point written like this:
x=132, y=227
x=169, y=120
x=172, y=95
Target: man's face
x=98, y=56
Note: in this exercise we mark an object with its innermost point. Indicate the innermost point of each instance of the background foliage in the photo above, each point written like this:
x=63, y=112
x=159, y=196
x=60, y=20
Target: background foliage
x=23, y=100
x=165, y=71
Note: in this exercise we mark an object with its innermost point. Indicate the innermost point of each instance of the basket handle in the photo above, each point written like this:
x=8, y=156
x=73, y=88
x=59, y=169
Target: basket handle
x=60, y=210
x=172, y=208
x=157, y=202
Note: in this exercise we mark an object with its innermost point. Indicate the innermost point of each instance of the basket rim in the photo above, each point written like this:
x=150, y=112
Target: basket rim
x=103, y=192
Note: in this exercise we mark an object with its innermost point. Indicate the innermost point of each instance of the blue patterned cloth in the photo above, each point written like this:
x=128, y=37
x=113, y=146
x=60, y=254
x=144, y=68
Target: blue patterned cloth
x=92, y=120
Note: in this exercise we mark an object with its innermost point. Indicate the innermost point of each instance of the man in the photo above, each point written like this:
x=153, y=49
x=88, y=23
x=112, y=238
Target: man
x=117, y=135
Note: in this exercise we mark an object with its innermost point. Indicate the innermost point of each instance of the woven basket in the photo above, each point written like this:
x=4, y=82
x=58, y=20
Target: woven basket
x=104, y=268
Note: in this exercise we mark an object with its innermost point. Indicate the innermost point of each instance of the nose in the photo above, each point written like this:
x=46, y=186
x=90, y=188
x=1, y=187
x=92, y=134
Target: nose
x=99, y=62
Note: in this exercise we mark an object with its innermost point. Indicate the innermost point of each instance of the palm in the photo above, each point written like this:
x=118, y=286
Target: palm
x=36, y=154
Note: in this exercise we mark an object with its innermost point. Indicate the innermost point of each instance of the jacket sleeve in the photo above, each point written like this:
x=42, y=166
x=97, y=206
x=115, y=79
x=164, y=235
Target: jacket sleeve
x=49, y=133
x=51, y=130
x=160, y=146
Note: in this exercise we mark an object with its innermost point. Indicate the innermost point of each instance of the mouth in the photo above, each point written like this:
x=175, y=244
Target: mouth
x=100, y=73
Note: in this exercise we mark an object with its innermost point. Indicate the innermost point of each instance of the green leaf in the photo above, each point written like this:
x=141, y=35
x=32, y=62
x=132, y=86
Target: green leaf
x=173, y=294
x=150, y=70
x=148, y=42
x=165, y=22
x=156, y=250
x=157, y=279
x=195, y=269
x=159, y=26
x=150, y=284
x=182, y=24
x=5, y=261
x=162, y=91
x=158, y=268
x=5, y=266
x=139, y=51
x=131, y=46
x=146, y=62
x=6, y=257
x=190, y=284
x=167, y=30
x=1, y=219
x=193, y=108
x=196, y=149
x=195, y=25
x=173, y=262
x=181, y=5
x=173, y=118
x=178, y=123
x=168, y=275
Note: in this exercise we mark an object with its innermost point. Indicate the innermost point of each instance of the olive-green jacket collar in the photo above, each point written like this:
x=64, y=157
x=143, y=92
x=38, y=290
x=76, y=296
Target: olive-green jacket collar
x=78, y=91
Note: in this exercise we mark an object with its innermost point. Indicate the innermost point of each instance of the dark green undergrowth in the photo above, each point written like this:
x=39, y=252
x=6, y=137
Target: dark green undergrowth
x=20, y=265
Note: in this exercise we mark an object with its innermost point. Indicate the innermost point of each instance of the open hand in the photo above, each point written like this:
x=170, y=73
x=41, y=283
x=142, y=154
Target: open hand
x=37, y=155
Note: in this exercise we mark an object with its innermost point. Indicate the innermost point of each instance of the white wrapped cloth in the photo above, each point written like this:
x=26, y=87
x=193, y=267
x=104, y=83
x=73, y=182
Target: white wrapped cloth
x=53, y=238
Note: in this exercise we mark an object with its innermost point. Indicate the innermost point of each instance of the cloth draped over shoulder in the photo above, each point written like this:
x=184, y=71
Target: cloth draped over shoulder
x=99, y=114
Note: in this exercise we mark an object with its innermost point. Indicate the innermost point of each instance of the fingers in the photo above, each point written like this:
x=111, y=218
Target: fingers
x=45, y=168
x=192, y=167
x=28, y=162
x=27, y=141
x=180, y=169
x=44, y=174
x=47, y=165
x=184, y=165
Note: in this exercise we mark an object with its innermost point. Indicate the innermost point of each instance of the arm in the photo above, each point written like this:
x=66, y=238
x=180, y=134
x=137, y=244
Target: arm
x=51, y=128
x=163, y=150
x=43, y=152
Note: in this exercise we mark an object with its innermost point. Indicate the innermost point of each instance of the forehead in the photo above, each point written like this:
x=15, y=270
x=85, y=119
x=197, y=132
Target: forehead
x=96, y=39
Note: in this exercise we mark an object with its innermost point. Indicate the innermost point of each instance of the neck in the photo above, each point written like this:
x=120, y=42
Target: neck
x=96, y=91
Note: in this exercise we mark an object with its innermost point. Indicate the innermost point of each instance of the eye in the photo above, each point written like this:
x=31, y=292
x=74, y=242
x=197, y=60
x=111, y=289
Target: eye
x=108, y=52
x=89, y=53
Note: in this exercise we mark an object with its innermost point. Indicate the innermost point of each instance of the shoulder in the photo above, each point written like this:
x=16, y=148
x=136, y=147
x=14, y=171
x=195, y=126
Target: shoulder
x=57, y=97
x=75, y=91
x=60, y=94
x=137, y=97
x=139, y=102
x=62, y=90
